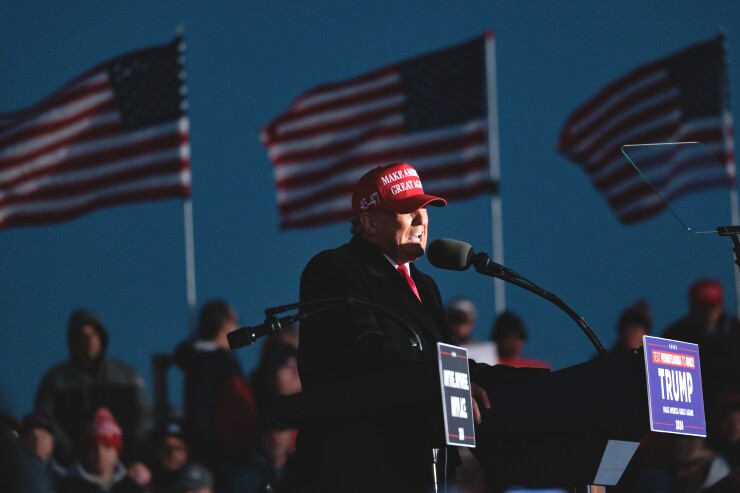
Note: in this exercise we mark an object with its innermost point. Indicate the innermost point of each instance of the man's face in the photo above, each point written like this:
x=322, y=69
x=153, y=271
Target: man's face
x=632, y=335
x=511, y=346
x=277, y=443
x=101, y=460
x=173, y=453
x=41, y=443
x=403, y=237
x=287, y=380
x=707, y=316
x=463, y=330
x=88, y=345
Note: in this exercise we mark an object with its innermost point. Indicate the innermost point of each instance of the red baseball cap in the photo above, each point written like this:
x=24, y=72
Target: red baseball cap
x=395, y=188
x=706, y=293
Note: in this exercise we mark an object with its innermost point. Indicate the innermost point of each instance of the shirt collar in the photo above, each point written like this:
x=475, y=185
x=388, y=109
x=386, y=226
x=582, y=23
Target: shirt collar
x=395, y=264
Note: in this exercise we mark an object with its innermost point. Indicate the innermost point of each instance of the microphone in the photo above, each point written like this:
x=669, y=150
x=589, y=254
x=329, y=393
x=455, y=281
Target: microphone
x=450, y=254
x=445, y=253
x=246, y=336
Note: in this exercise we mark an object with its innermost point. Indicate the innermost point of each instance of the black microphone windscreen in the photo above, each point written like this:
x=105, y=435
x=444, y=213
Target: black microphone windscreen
x=239, y=338
x=450, y=254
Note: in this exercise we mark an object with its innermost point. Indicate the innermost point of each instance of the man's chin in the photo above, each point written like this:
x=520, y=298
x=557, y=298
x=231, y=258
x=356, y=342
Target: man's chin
x=412, y=251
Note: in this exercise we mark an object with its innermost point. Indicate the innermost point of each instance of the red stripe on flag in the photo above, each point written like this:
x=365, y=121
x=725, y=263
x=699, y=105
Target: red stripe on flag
x=161, y=193
x=674, y=99
x=99, y=159
x=77, y=150
x=332, y=132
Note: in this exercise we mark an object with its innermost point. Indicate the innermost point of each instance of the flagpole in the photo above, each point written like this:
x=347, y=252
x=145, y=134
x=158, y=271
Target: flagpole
x=187, y=213
x=495, y=171
x=730, y=163
x=734, y=206
x=187, y=206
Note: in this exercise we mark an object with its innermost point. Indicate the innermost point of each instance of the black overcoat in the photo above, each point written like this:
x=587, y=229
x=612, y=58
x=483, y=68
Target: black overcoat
x=380, y=435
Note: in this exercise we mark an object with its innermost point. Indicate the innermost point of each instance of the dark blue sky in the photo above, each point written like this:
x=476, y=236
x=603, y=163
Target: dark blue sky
x=246, y=61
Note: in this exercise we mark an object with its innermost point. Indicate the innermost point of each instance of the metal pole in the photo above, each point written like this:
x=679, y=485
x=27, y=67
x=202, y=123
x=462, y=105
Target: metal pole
x=189, y=262
x=495, y=171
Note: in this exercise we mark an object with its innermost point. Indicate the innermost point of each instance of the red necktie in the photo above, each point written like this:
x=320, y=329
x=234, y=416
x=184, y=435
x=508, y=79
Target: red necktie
x=405, y=274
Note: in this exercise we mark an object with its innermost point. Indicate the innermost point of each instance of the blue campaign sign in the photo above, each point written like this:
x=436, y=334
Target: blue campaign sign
x=675, y=395
x=457, y=401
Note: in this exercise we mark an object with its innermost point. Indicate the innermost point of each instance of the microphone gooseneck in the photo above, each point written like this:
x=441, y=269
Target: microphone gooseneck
x=445, y=253
x=458, y=255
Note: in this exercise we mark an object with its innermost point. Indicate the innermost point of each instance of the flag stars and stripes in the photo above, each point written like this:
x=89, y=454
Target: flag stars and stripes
x=116, y=134
x=680, y=98
x=429, y=111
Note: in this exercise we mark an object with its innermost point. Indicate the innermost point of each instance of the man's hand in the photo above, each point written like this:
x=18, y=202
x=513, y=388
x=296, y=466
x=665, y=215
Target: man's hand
x=479, y=394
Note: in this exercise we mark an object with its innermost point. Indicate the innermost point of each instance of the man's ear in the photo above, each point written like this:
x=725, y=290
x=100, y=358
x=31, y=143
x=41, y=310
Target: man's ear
x=368, y=223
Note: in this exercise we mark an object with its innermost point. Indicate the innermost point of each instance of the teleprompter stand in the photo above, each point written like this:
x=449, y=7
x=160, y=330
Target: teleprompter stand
x=733, y=232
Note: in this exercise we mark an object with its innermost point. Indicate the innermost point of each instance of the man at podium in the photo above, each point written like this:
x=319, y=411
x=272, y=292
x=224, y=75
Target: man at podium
x=388, y=446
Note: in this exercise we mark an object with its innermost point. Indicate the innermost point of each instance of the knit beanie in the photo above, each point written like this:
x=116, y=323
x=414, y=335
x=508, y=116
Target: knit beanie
x=104, y=430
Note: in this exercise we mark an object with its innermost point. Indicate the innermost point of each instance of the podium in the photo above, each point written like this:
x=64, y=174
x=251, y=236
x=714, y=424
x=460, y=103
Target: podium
x=570, y=428
x=574, y=427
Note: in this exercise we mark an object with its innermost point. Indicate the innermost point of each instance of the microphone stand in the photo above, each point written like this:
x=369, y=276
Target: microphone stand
x=480, y=262
x=274, y=325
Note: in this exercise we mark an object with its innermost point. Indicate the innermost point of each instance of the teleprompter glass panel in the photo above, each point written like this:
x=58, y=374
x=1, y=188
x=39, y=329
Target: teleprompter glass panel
x=686, y=178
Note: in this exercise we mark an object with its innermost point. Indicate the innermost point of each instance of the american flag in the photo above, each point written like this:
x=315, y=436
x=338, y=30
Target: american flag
x=429, y=111
x=116, y=134
x=680, y=98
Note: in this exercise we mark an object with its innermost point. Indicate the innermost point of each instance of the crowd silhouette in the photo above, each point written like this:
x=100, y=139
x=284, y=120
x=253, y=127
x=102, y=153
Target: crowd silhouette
x=93, y=429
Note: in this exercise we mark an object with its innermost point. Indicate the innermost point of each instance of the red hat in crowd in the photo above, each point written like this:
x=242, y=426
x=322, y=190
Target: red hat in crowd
x=706, y=293
x=104, y=430
x=394, y=188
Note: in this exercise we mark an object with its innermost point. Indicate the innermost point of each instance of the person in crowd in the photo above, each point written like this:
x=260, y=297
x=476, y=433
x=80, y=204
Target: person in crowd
x=37, y=434
x=171, y=466
x=10, y=425
x=718, y=335
x=70, y=392
x=99, y=468
x=194, y=478
x=462, y=316
x=219, y=407
x=633, y=323
x=288, y=334
x=277, y=371
x=695, y=467
x=376, y=372
x=20, y=470
x=727, y=441
x=510, y=336
x=264, y=469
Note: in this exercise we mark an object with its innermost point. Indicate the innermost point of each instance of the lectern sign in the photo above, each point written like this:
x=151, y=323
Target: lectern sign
x=674, y=385
x=457, y=401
